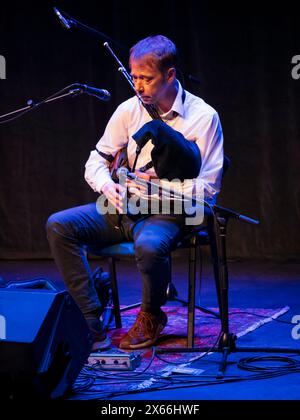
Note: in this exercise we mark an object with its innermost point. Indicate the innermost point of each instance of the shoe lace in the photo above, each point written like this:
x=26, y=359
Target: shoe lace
x=144, y=323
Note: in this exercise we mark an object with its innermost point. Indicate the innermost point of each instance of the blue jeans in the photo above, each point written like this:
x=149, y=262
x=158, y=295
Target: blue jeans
x=71, y=232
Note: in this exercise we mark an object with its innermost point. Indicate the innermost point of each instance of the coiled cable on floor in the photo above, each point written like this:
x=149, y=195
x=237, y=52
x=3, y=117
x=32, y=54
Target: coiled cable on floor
x=283, y=365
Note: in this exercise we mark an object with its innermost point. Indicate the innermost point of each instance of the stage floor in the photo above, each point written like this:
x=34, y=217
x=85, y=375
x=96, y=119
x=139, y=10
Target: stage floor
x=253, y=284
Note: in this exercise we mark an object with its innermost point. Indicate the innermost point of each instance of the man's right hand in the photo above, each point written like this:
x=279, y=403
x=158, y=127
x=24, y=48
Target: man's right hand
x=115, y=194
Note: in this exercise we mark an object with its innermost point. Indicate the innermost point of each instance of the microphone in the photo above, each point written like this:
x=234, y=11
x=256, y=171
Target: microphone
x=231, y=213
x=101, y=94
x=65, y=23
x=122, y=172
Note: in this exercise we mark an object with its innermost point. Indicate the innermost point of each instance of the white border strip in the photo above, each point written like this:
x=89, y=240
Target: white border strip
x=263, y=321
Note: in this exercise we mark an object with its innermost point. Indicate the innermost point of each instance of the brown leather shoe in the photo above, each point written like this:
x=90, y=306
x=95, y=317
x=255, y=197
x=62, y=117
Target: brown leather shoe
x=145, y=331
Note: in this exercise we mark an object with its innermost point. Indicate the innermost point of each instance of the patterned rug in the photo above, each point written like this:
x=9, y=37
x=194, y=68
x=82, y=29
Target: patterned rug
x=207, y=327
x=108, y=383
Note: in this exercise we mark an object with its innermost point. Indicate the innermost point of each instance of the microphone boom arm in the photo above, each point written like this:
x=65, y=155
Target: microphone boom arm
x=73, y=23
x=31, y=105
x=220, y=211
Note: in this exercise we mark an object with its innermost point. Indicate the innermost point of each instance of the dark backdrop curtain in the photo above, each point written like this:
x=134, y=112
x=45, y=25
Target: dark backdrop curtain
x=244, y=66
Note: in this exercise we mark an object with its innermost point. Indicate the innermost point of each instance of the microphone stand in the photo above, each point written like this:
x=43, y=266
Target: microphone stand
x=226, y=344
x=31, y=105
x=68, y=22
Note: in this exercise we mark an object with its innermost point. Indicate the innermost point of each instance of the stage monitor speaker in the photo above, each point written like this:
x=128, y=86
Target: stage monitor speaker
x=44, y=343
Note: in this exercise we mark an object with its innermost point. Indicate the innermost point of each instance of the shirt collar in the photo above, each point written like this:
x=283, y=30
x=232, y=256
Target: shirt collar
x=178, y=105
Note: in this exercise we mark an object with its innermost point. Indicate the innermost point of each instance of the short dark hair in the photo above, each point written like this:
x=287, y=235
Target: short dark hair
x=160, y=50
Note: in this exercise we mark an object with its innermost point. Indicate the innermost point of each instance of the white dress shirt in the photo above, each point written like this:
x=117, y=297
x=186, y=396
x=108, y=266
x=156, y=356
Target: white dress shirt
x=195, y=119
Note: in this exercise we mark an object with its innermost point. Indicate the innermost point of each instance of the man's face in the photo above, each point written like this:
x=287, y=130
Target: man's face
x=149, y=82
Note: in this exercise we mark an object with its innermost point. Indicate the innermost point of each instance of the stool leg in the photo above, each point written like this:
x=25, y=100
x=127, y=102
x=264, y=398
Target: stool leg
x=192, y=291
x=216, y=263
x=115, y=292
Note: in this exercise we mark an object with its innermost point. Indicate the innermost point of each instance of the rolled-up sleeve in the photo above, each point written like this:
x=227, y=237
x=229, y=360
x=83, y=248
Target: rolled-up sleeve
x=114, y=138
x=210, y=142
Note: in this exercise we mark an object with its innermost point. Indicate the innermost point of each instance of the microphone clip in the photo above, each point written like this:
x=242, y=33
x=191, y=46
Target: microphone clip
x=65, y=23
x=101, y=94
x=76, y=92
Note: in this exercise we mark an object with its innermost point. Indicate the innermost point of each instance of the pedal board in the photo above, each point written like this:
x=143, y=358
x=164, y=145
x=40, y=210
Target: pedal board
x=115, y=360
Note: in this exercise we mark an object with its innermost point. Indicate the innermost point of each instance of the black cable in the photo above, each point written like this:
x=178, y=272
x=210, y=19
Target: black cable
x=128, y=375
x=287, y=364
x=194, y=359
x=86, y=380
x=171, y=383
x=191, y=383
x=255, y=315
x=106, y=381
x=83, y=383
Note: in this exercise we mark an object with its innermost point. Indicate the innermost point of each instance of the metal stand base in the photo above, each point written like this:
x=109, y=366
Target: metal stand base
x=227, y=345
